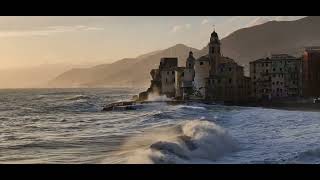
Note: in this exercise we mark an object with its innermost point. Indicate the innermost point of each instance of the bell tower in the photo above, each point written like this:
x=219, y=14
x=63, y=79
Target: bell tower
x=214, y=52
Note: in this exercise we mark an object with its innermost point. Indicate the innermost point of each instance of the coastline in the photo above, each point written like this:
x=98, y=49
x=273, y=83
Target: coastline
x=290, y=105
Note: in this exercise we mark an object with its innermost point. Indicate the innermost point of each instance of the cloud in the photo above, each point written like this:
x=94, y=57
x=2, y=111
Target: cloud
x=205, y=21
x=48, y=31
x=288, y=18
x=258, y=21
x=177, y=28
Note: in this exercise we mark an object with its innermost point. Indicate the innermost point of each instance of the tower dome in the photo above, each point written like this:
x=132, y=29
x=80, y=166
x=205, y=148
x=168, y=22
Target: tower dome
x=190, y=61
x=214, y=34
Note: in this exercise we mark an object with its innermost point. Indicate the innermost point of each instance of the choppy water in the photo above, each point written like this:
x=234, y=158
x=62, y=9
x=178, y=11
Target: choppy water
x=67, y=126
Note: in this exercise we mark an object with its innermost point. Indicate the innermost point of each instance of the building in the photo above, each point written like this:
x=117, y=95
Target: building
x=185, y=79
x=229, y=83
x=167, y=70
x=219, y=78
x=311, y=72
x=171, y=80
x=278, y=76
x=212, y=77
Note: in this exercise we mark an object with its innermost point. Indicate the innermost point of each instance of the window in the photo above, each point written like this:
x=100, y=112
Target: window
x=166, y=80
x=277, y=82
x=167, y=72
x=267, y=71
x=254, y=77
x=219, y=81
x=173, y=80
x=172, y=72
x=189, y=64
x=274, y=69
x=266, y=64
x=262, y=65
x=280, y=69
x=182, y=74
x=273, y=75
x=230, y=81
x=294, y=82
x=201, y=63
x=230, y=69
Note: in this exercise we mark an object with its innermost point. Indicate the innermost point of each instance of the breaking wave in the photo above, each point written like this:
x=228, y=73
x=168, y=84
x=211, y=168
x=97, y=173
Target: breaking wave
x=193, y=141
x=309, y=156
x=156, y=97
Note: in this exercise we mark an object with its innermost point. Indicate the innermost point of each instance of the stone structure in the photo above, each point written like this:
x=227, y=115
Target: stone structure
x=211, y=77
x=278, y=76
x=171, y=80
x=311, y=72
x=219, y=78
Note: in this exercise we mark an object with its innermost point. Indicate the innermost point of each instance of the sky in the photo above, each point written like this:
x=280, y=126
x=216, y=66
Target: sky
x=28, y=41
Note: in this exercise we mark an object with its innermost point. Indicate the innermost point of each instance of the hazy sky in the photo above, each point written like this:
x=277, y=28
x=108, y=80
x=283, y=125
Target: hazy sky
x=31, y=41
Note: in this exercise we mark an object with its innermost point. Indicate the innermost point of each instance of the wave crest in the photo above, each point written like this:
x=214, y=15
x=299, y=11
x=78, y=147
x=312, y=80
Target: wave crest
x=193, y=141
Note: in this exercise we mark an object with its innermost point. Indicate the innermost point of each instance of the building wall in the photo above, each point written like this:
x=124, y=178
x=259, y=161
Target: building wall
x=179, y=76
x=277, y=77
x=202, y=69
x=311, y=72
x=261, y=77
x=229, y=84
x=168, y=82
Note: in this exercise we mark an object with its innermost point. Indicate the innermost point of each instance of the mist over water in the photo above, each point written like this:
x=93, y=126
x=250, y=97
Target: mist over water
x=67, y=126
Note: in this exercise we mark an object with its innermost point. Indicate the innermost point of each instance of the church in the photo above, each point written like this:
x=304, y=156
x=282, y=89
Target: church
x=219, y=78
x=212, y=77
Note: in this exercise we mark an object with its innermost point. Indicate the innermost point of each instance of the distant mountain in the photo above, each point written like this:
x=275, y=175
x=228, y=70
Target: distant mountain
x=244, y=45
x=126, y=72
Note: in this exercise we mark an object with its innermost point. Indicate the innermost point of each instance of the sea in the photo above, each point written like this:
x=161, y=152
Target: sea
x=67, y=126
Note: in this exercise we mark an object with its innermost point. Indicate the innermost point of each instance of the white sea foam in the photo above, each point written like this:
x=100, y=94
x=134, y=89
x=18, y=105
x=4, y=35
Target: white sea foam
x=77, y=97
x=193, y=107
x=190, y=142
x=157, y=97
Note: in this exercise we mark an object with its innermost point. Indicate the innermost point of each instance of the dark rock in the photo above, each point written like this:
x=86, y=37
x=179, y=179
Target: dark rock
x=143, y=96
x=169, y=148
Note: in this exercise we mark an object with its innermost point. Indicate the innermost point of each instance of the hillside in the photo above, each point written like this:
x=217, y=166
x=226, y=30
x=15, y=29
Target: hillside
x=126, y=72
x=244, y=45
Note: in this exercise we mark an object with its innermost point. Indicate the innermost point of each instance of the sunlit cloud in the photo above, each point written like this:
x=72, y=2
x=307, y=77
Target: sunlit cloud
x=48, y=31
x=258, y=21
x=177, y=28
x=205, y=21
